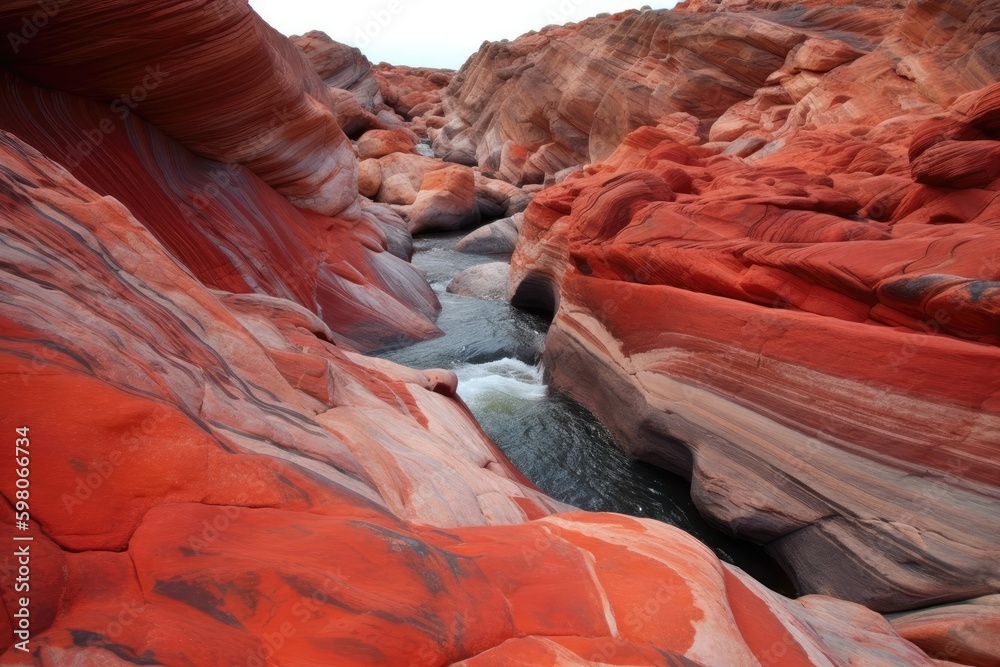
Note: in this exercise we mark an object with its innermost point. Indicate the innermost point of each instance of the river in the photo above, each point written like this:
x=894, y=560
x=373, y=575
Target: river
x=560, y=446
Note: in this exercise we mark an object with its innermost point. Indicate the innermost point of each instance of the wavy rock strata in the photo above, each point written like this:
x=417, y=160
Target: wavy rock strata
x=274, y=115
x=218, y=476
x=221, y=218
x=569, y=95
x=801, y=310
x=221, y=483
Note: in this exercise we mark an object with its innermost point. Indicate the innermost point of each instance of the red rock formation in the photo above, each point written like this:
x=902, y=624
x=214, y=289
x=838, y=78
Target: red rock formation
x=442, y=202
x=968, y=633
x=372, y=98
x=273, y=116
x=338, y=65
x=446, y=201
x=351, y=82
x=221, y=220
x=413, y=92
x=379, y=143
x=227, y=226
x=433, y=195
x=570, y=94
x=802, y=312
x=217, y=476
x=219, y=483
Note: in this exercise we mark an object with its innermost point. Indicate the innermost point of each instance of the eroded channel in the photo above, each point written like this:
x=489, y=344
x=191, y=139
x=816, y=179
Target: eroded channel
x=560, y=446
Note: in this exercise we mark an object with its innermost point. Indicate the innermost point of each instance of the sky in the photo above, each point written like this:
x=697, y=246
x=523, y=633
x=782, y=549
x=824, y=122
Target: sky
x=429, y=33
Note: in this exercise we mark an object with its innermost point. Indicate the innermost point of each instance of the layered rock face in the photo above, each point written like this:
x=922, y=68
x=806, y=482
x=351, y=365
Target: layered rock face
x=428, y=193
x=413, y=92
x=222, y=219
x=569, y=95
x=347, y=74
x=388, y=112
x=968, y=633
x=797, y=304
x=218, y=476
x=367, y=97
x=217, y=481
x=275, y=117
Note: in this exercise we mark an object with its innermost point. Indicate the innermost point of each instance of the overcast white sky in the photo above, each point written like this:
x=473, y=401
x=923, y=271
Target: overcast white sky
x=429, y=33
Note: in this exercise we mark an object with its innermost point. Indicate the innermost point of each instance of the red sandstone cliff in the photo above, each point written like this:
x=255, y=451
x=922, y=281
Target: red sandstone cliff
x=202, y=176
x=717, y=71
x=786, y=286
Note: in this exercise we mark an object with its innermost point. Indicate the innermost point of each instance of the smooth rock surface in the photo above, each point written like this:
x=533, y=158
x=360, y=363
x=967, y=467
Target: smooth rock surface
x=402, y=176
x=379, y=143
x=967, y=633
x=446, y=201
x=496, y=198
x=483, y=281
x=350, y=81
x=496, y=238
x=212, y=76
x=413, y=92
x=227, y=226
x=221, y=477
x=568, y=95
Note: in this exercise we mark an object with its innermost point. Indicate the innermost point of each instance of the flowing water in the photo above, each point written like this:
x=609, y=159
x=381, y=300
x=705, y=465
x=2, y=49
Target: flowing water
x=562, y=448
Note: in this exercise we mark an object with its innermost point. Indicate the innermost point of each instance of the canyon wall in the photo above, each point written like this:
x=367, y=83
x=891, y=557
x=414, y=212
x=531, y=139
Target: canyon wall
x=217, y=475
x=788, y=287
x=705, y=72
x=204, y=166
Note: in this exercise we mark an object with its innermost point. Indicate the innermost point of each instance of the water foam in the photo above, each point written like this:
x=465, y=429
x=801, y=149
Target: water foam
x=499, y=382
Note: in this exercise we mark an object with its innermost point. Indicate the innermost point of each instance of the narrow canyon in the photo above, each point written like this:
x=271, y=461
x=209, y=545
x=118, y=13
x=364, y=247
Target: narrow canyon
x=668, y=337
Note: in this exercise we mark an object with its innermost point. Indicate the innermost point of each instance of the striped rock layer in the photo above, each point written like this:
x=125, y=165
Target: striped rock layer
x=218, y=476
x=799, y=309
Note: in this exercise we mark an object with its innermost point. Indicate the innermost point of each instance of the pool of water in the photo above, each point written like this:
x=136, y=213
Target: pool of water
x=560, y=446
